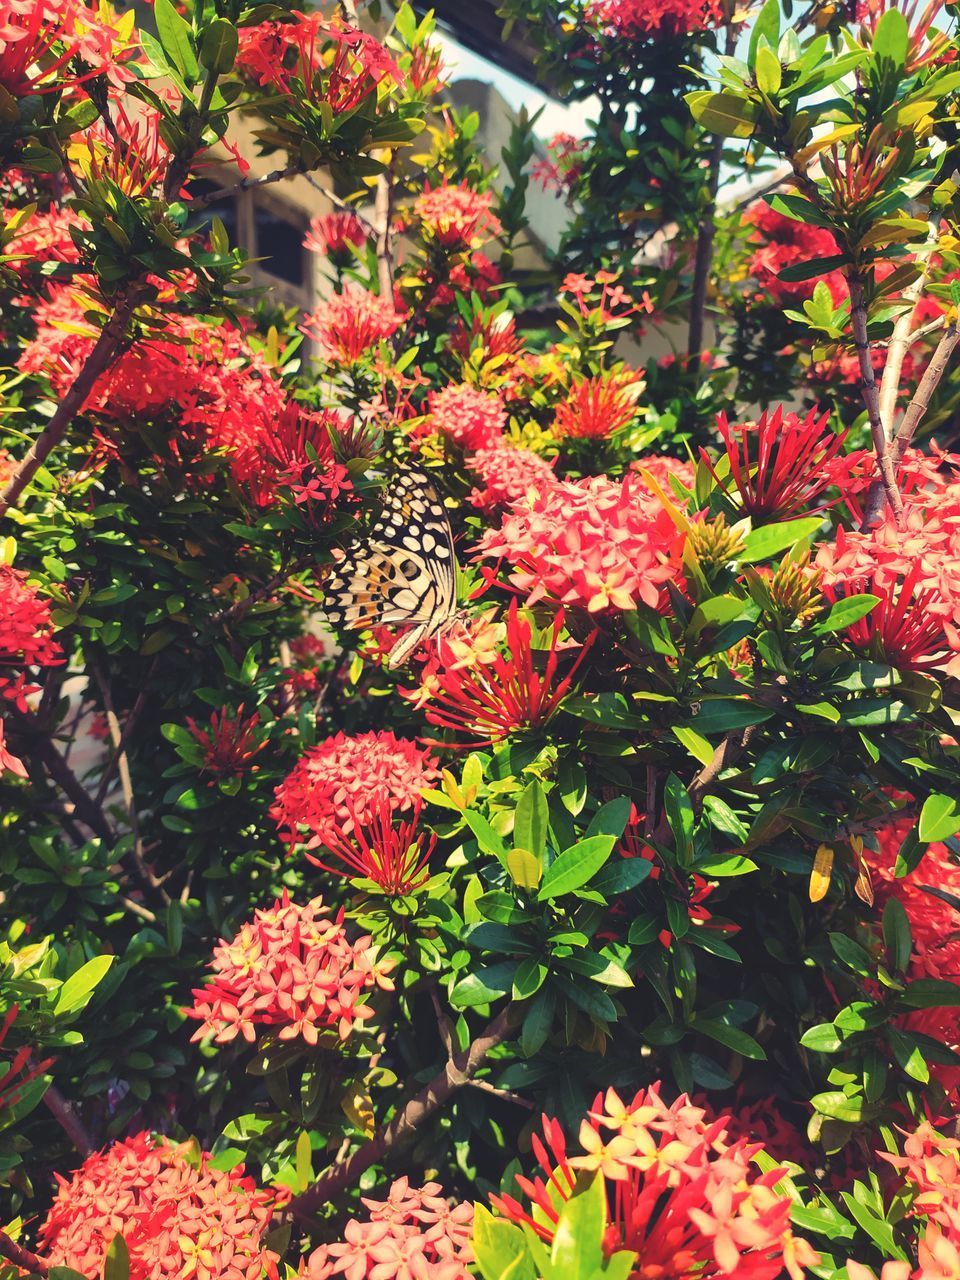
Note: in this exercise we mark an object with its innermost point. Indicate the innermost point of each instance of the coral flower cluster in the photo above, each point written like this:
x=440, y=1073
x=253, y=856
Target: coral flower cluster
x=293, y=970
x=683, y=1193
x=595, y=543
x=471, y=418
x=597, y=407
x=335, y=234
x=178, y=1216
x=507, y=474
x=412, y=1235
x=456, y=216
x=348, y=325
x=338, y=781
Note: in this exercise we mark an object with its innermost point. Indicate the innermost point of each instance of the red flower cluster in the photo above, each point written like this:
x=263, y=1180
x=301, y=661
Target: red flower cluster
x=347, y=325
x=296, y=454
x=415, y=1234
x=334, y=235
x=780, y=464
x=637, y=19
x=596, y=408
x=178, y=1216
x=784, y=242
x=229, y=742
x=310, y=57
x=502, y=693
x=49, y=45
x=395, y=856
x=682, y=1195
x=19, y=1069
x=595, y=543
x=44, y=237
x=914, y=566
x=26, y=631
x=457, y=217
x=507, y=474
x=9, y=763
x=936, y=946
x=472, y=419
x=337, y=782
x=293, y=969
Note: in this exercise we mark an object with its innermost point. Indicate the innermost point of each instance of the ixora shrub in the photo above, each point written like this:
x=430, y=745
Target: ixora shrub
x=580, y=899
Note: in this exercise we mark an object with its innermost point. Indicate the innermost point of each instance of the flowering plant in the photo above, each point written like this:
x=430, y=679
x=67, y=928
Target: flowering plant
x=478, y=788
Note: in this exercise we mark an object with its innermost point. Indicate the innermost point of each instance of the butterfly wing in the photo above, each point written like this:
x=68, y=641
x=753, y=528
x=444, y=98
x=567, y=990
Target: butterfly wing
x=404, y=573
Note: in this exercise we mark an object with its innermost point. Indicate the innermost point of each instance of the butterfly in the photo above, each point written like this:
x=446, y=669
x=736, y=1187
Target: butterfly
x=403, y=573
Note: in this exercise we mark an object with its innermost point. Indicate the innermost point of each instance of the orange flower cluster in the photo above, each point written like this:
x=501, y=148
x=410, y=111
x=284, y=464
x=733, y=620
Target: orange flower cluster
x=178, y=1216
x=683, y=1194
x=293, y=969
x=456, y=216
x=595, y=543
x=415, y=1234
x=347, y=325
x=596, y=408
x=338, y=781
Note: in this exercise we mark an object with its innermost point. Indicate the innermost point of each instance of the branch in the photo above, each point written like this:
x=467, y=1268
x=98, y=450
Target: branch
x=871, y=398
x=41, y=746
x=704, y=256
x=897, y=348
x=250, y=184
x=21, y=1257
x=105, y=351
x=66, y=1117
x=457, y=1072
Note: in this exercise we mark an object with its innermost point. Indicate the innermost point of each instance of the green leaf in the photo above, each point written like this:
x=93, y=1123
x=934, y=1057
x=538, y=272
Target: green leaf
x=720, y=715
x=761, y=544
x=896, y=934
x=733, y=864
x=732, y=1037
x=939, y=819
x=766, y=27
x=575, y=867
x=176, y=38
x=907, y=1055
x=845, y=613
x=530, y=977
x=728, y=114
x=611, y=818
x=930, y=993
x=484, y=986
x=538, y=1022
x=680, y=813
x=695, y=743
x=620, y=876
x=852, y=954
x=487, y=838
x=577, y=1247
x=79, y=987
x=891, y=40
x=500, y=1249
x=304, y=1160
x=218, y=49
x=822, y=1038
x=116, y=1265
x=531, y=820
x=835, y=1105
x=769, y=72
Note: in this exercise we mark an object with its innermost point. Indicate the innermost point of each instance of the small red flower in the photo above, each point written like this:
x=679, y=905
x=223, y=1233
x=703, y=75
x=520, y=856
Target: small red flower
x=779, y=464
x=457, y=217
x=489, y=701
x=637, y=19
x=395, y=856
x=334, y=235
x=9, y=763
x=229, y=741
x=906, y=628
x=348, y=325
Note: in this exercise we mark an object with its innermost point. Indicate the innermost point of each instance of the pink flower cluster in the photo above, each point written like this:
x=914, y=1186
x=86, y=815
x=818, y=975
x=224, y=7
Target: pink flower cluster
x=471, y=418
x=291, y=969
x=178, y=1216
x=683, y=1194
x=637, y=19
x=594, y=543
x=347, y=325
x=415, y=1234
x=339, y=779
x=506, y=475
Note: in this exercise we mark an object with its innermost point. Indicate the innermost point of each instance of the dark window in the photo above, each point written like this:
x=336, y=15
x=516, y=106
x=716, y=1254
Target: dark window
x=279, y=246
x=225, y=210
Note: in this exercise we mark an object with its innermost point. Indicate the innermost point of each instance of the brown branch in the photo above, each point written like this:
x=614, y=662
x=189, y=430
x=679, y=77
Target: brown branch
x=900, y=342
x=66, y=1117
x=104, y=352
x=21, y=1257
x=486, y=1087
x=128, y=726
x=727, y=751
x=870, y=393
x=250, y=184
x=458, y=1071
x=40, y=746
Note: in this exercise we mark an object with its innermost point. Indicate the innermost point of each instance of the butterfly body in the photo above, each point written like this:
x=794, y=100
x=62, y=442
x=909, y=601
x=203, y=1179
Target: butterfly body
x=403, y=574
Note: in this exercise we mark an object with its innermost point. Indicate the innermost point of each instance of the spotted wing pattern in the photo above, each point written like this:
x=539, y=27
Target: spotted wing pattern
x=403, y=573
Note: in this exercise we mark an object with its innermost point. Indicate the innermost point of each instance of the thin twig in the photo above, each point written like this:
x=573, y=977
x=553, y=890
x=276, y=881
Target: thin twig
x=871, y=397
x=384, y=217
x=128, y=726
x=456, y=1073
x=900, y=341
x=104, y=352
x=40, y=746
x=66, y=1117
x=485, y=1087
x=291, y=170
